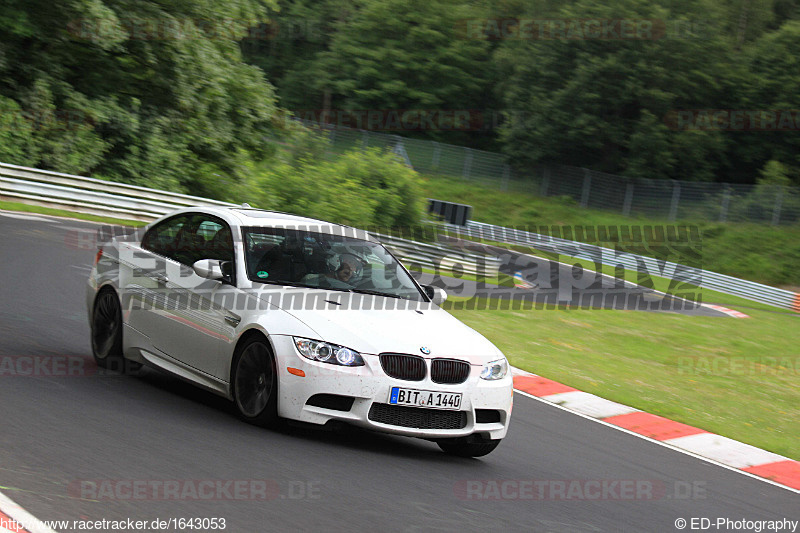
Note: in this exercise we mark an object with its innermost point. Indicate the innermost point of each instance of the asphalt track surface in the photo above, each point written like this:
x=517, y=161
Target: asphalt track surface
x=57, y=431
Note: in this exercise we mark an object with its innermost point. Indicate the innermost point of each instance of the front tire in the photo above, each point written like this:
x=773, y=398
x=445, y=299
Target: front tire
x=107, y=334
x=254, y=379
x=463, y=448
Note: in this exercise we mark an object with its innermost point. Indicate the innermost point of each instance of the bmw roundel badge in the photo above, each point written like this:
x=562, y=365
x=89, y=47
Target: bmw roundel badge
x=425, y=350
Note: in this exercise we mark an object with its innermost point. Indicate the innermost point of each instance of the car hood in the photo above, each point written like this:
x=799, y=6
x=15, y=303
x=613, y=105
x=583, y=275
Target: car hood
x=363, y=323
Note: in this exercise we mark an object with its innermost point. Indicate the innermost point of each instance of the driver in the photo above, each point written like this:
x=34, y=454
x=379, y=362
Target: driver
x=349, y=268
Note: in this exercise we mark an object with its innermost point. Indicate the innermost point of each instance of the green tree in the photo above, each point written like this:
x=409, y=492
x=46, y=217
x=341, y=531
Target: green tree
x=773, y=87
x=407, y=55
x=287, y=48
x=603, y=102
x=166, y=98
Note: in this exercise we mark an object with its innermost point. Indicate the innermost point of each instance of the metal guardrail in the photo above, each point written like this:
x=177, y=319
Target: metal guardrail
x=681, y=273
x=106, y=198
x=91, y=195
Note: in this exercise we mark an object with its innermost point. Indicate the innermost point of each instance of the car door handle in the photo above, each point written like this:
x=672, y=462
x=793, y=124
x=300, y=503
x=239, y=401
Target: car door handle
x=232, y=320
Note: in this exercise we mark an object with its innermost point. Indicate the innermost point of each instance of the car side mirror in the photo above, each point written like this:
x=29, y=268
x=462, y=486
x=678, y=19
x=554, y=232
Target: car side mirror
x=209, y=269
x=437, y=295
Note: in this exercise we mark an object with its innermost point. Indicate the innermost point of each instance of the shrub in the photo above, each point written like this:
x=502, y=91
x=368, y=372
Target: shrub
x=359, y=188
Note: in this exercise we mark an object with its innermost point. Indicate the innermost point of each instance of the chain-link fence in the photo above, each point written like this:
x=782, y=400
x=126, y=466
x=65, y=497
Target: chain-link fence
x=670, y=200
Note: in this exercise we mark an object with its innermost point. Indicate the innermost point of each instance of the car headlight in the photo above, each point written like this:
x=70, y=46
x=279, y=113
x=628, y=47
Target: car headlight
x=326, y=352
x=495, y=370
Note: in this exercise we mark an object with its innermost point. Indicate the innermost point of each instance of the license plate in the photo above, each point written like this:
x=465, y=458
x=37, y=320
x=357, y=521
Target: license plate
x=425, y=398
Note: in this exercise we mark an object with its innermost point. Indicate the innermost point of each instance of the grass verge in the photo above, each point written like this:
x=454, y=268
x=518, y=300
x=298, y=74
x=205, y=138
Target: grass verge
x=26, y=208
x=736, y=377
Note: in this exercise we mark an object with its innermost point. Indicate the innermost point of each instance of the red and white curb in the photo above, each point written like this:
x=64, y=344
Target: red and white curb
x=729, y=312
x=11, y=513
x=733, y=454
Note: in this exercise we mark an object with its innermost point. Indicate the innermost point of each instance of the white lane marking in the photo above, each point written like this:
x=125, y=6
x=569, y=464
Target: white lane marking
x=731, y=452
x=589, y=404
x=78, y=229
x=660, y=443
x=21, y=516
x=82, y=269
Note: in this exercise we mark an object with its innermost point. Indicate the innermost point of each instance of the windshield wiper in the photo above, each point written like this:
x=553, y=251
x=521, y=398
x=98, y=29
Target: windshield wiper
x=337, y=289
x=377, y=293
x=287, y=283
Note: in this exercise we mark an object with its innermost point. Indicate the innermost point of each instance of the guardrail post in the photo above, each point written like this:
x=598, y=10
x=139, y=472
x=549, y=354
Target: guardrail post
x=776, y=212
x=545, y=181
x=726, y=202
x=467, y=162
x=587, y=185
x=626, y=206
x=676, y=196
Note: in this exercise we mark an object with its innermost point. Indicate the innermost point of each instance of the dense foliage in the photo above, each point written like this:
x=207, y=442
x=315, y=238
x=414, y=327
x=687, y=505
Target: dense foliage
x=606, y=102
x=149, y=92
x=367, y=188
x=184, y=95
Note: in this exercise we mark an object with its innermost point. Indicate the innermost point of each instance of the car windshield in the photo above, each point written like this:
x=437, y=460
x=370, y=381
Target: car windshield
x=304, y=258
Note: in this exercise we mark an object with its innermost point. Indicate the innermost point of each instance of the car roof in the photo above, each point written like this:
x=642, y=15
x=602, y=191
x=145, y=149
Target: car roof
x=251, y=216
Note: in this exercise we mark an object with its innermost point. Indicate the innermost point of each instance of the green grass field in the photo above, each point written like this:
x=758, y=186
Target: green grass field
x=736, y=377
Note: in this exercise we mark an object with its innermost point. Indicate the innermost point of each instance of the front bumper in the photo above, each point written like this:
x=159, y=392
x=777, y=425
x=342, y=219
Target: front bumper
x=370, y=387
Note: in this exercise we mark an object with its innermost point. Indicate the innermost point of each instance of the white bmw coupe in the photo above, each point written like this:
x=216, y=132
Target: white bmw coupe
x=296, y=318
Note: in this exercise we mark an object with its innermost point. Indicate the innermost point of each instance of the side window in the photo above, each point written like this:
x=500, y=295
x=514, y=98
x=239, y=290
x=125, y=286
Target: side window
x=208, y=229
x=189, y=238
x=214, y=240
x=163, y=238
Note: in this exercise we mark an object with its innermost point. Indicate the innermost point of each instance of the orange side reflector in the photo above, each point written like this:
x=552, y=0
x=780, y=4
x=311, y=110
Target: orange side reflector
x=296, y=372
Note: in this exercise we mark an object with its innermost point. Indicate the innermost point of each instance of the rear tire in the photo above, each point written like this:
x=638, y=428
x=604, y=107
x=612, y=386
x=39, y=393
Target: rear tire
x=463, y=448
x=107, y=334
x=254, y=383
